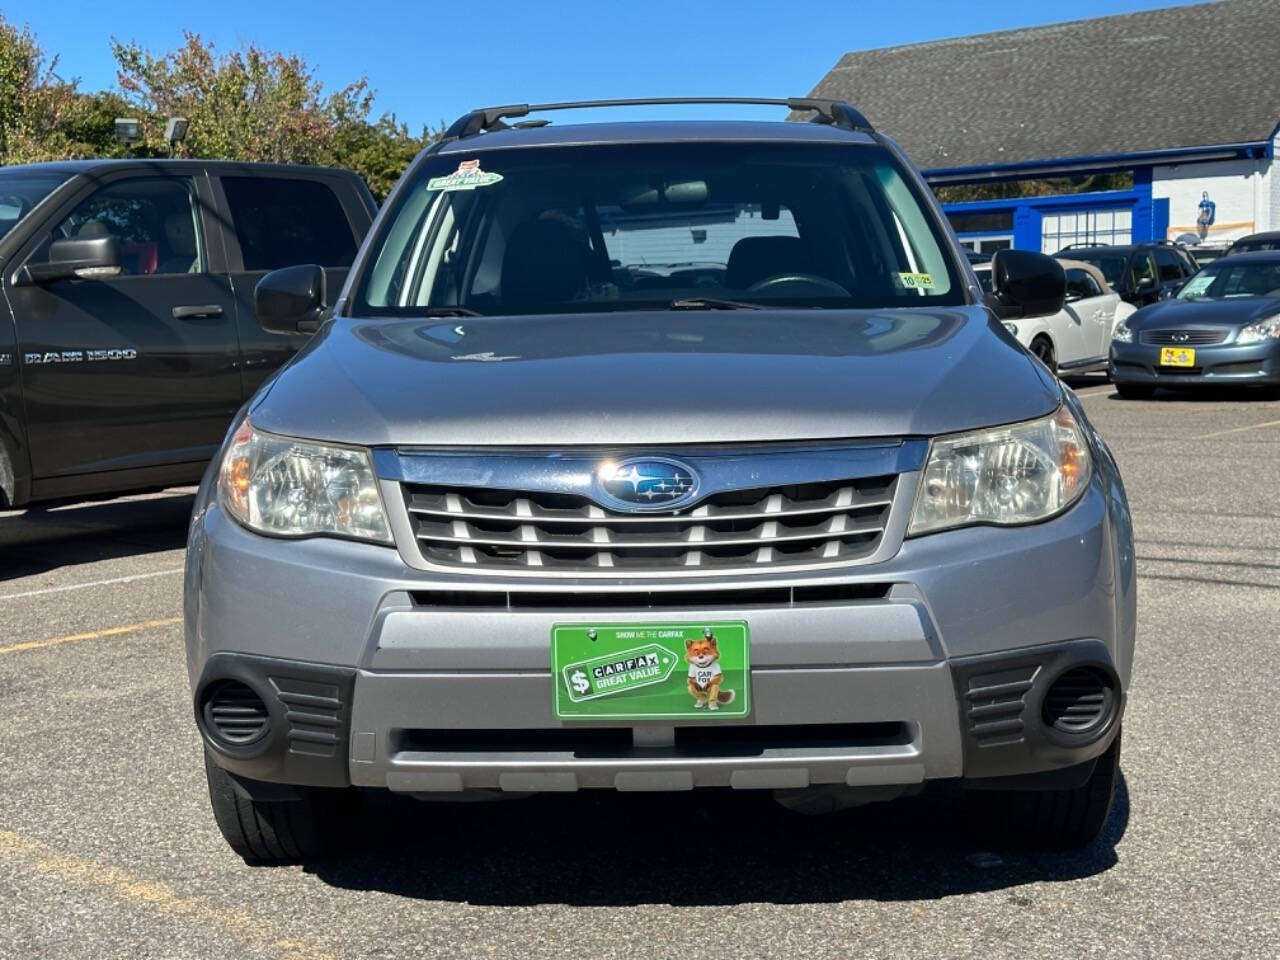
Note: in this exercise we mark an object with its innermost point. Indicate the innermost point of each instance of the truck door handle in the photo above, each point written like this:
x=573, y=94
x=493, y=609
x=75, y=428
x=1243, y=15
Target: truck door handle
x=196, y=312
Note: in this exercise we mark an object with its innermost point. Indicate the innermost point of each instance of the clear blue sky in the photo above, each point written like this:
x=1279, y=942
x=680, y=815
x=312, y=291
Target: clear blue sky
x=431, y=61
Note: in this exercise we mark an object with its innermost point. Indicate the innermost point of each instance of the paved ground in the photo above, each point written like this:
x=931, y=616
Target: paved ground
x=108, y=849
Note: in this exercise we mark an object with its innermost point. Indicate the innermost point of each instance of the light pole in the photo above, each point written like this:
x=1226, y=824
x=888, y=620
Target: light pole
x=175, y=131
x=128, y=131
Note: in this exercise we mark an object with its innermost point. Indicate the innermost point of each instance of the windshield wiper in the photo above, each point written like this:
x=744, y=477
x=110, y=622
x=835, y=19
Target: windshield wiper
x=710, y=303
x=452, y=312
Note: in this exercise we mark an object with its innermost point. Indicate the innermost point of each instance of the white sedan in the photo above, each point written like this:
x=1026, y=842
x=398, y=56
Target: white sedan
x=1076, y=338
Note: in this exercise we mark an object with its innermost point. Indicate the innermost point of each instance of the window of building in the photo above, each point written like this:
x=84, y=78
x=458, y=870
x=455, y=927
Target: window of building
x=1085, y=228
x=283, y=223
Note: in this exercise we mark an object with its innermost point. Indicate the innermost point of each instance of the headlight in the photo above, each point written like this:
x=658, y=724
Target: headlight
x=1005, y=475
x=1266, y=329
x=297, y=488
x=1122, y=333
x=1011, y=327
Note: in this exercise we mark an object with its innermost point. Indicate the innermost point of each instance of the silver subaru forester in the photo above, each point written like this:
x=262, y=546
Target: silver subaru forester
x=656, y=456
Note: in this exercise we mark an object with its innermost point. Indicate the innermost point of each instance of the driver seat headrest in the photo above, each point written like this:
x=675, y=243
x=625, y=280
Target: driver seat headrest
x=753, y=259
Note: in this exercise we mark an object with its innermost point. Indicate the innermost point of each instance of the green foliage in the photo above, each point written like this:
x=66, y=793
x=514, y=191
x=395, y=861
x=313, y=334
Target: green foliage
x=1012, y=189
x=37, y=110
x=251, y=104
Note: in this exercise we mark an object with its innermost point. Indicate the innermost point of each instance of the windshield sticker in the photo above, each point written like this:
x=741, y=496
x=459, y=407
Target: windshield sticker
x=917, y=281
x=1198, y=284
x=468, y=176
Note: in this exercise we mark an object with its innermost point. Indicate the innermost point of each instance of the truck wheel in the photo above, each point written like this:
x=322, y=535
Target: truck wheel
x=1136, y=391
x=1054, y=818
x=1042, y=348
x=279, y=831
x=6, y=480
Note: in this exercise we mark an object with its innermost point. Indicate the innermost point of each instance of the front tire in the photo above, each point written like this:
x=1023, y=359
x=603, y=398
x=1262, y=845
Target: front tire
x=279, y=831
x=1042, y=350
x=1060, y=819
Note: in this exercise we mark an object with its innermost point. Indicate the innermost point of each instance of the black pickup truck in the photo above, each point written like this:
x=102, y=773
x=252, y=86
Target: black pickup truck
x=127, y=333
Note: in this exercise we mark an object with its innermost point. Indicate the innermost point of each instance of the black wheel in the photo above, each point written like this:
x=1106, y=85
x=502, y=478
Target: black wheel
x=279, y=831
x=1053, y=818
x=1136, y=391
x=1042, y=348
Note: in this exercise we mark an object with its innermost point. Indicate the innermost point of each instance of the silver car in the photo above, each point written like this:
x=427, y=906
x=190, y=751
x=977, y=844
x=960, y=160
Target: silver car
x=652, y=457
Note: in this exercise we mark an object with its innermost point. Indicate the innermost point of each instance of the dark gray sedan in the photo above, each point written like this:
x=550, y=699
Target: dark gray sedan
x=1223, y=327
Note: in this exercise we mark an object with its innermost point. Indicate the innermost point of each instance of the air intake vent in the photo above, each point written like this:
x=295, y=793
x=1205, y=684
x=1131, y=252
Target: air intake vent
x=235, y=714
x=994, y=705
x=1078, y=702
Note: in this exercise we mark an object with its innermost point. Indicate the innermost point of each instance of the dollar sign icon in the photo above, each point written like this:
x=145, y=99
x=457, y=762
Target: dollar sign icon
x=579, y=681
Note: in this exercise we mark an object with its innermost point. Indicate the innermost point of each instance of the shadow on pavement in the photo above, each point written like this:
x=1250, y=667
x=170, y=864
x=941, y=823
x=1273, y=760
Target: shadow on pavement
x=40, y=539
x=705, y=848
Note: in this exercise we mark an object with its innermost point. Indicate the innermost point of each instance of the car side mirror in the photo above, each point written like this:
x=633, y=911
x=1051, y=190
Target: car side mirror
x=86, y=258
x=1026, y=284
x=290, y=300
x=1145, y=283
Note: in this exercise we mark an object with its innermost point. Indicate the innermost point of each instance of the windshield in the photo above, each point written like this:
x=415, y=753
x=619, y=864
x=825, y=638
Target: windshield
x=674, y=225
x=22, y=190
x=1111, y=264
x=1229, y=279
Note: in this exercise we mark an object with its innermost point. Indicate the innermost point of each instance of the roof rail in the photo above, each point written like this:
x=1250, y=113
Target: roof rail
x=490, y=118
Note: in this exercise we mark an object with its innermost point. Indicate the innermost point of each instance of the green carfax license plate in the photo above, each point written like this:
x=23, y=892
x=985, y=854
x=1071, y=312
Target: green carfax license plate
x=651, y=671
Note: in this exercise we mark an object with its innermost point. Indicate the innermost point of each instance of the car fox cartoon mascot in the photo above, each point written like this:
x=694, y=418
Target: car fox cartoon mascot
x=705, y=675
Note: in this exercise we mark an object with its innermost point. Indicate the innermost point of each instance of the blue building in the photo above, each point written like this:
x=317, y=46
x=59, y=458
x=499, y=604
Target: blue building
x=1183, y=103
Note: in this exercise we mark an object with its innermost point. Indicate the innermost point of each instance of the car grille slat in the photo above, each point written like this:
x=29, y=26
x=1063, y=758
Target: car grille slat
x=483, y=528
x=1190, y=338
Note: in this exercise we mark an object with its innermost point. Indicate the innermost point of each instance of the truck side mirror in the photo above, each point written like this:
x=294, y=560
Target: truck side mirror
x=290, y=300
x=88, y=258
x=1026, y=284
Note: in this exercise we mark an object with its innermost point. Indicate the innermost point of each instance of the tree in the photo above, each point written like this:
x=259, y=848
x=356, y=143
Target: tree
x=251, y=104
x=260, y=105
x=247, y=105
x=37, y=108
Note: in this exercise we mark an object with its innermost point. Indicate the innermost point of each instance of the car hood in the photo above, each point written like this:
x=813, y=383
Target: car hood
x=1203, y=313
x=655, y=378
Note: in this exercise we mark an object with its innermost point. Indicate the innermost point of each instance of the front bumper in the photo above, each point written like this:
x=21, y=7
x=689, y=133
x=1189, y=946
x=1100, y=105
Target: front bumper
x=932, y=664
x=1225, y=363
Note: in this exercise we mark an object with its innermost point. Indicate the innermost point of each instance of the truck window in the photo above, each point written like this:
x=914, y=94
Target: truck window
x=22, y=190
x=282, y=223
x=1170, y=268
x=154, y=218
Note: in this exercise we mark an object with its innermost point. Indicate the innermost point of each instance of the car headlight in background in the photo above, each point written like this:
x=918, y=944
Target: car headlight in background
x=297, y=488
x=1011, y=327
x=1265, y=329
x=1122, y=333
x=1009, y=475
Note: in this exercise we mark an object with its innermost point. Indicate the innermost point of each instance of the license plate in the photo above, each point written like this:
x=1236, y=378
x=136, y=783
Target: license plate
x=651, y=671
x=1177, y=357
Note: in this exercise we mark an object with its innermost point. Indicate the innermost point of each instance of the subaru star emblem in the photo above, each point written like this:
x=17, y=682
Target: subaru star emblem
x=647, y=483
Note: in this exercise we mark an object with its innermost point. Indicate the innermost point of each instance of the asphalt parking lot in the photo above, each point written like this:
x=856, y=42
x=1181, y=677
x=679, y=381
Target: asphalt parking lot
x=108, y=848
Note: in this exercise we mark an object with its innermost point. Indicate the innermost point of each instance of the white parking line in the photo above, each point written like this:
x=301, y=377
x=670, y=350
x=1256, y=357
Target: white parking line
x=95, y=583
x=1223, y=433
